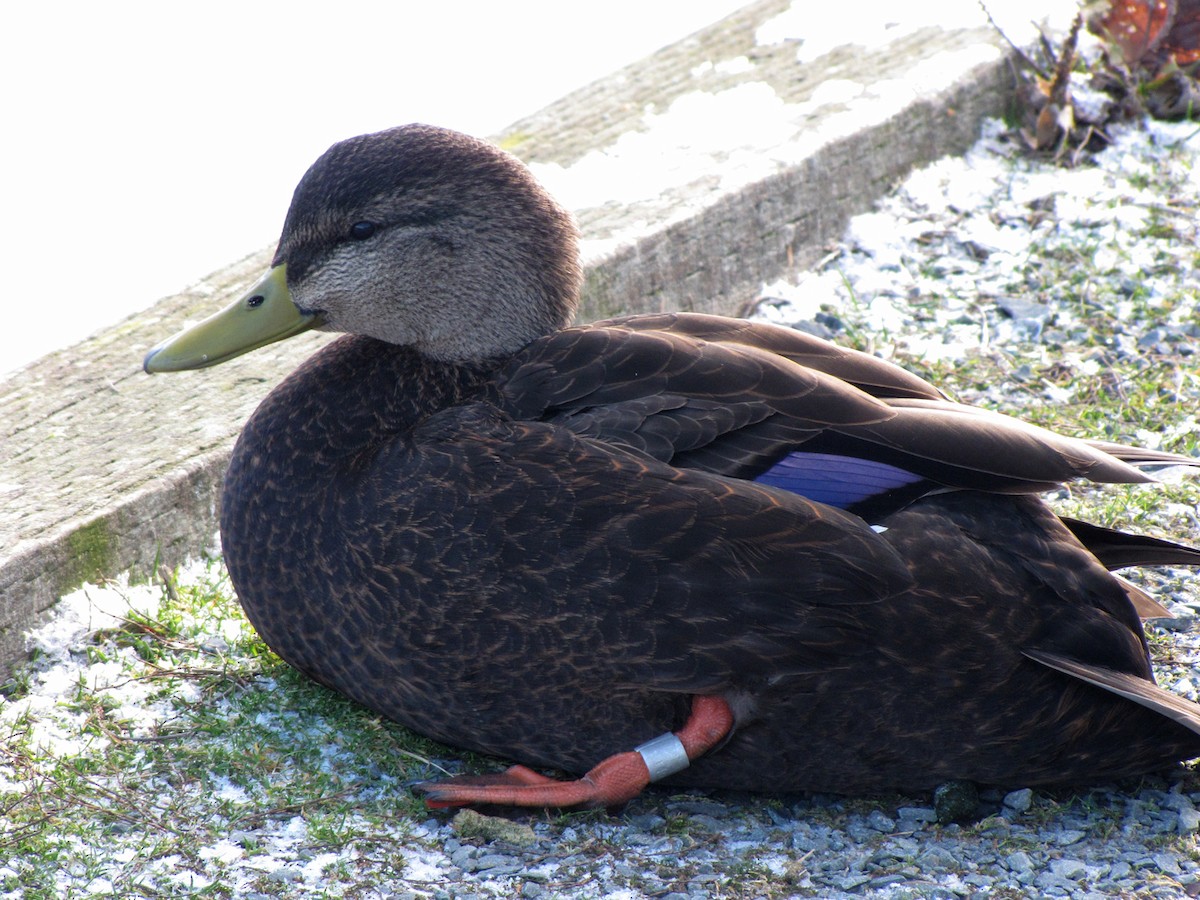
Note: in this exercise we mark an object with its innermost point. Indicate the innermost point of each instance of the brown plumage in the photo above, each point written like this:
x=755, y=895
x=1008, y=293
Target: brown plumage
x=542, y=542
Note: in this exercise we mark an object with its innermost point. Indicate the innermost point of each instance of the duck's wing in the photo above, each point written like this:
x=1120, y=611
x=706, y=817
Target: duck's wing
x=660, y=578
x=876, y=376
x=871, y=374
x=762, y=403
x=1132, y=687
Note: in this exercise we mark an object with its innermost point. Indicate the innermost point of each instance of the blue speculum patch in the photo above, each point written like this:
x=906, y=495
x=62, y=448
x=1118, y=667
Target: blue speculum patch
x=841, y=481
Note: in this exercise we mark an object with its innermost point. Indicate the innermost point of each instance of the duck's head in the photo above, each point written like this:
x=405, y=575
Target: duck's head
x=416, y=236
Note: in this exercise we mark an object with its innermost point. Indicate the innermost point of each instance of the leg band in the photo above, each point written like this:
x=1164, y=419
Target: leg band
x=664, y=755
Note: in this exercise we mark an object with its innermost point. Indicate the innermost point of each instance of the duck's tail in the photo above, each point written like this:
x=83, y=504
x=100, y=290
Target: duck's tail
x=1140, y=456
x=1131, y=687
x=1119, y=549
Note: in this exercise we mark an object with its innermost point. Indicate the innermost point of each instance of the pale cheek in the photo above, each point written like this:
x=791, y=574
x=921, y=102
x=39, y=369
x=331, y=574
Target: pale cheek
x=332, y=289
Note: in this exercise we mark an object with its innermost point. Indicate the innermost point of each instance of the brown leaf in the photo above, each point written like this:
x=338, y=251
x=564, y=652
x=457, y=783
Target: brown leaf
x=1136, y=27
x=1182, y=42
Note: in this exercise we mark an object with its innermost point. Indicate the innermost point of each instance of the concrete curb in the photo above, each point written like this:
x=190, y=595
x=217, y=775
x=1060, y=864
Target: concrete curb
x=107, y=470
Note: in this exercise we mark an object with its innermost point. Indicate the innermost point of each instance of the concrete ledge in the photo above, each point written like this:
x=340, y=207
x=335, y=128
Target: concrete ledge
x=106, y=469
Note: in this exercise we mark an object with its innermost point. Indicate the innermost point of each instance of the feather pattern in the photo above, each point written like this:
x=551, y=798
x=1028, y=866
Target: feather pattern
x=541, y=541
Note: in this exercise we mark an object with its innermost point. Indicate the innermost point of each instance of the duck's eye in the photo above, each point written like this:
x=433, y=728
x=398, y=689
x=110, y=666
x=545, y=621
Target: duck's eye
x=360, y=231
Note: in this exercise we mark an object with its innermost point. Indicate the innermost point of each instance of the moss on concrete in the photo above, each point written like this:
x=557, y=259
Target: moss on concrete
x=91, y=555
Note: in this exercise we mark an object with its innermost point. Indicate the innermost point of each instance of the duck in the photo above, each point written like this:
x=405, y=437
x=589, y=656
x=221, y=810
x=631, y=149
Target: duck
x=666, y=548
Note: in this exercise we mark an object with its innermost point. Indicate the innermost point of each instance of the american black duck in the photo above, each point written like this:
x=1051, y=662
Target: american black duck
x=791, y=565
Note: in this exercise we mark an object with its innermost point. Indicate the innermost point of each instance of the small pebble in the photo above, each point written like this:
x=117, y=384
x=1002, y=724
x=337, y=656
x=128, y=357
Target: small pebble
x=1167, y=863
x=470, y=824
x=955, y=801
x=1053, y=884
x=1189, y=821
x=1019, y=801
x=1071, y=869
x=937, y=858
x=1177, y=801
x=881, y=822
x=1019, y=861
x=993, y=826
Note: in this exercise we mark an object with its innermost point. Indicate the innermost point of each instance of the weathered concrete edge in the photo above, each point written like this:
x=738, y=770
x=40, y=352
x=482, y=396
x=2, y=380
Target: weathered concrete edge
x=160, y=525
x=768, y=229
x=785, y=223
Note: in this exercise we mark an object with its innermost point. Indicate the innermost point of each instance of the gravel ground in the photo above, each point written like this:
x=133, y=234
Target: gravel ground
x=1025, y=285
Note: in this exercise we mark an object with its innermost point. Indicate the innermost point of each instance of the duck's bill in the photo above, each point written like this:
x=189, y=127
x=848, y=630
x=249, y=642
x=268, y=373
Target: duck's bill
x=265, y=314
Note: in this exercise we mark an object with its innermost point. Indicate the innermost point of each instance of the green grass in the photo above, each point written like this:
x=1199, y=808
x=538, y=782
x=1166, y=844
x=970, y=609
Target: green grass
x=97, y=793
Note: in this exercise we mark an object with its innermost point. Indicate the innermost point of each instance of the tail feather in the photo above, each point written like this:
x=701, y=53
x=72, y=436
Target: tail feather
x=1131, y=687
x=1147, y=607
x=1118, y=549
x=1140, y=456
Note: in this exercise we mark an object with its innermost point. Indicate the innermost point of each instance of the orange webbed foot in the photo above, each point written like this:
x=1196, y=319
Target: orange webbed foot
x=615, y=781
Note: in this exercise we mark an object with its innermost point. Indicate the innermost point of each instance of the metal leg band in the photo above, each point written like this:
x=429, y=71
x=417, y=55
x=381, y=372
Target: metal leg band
x=664, y=755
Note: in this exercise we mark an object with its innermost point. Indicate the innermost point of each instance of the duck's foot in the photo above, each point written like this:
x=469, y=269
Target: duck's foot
x=616, y=780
